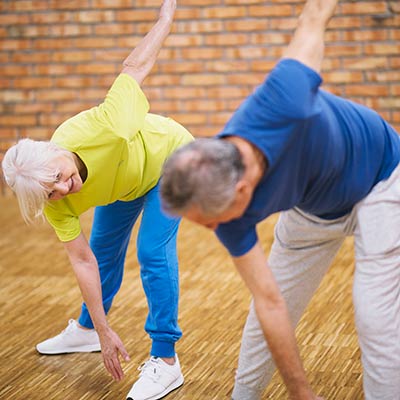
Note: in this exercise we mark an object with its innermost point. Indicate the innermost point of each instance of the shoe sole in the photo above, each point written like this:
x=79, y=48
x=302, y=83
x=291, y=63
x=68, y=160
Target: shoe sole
x=80, y=349
x=175, y=385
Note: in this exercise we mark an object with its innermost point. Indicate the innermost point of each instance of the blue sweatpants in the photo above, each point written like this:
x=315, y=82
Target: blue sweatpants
x=156, y=251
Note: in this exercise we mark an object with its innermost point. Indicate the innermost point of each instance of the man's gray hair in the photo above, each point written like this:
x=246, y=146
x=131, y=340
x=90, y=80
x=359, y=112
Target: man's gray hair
x=202, y=173
x=27, y=171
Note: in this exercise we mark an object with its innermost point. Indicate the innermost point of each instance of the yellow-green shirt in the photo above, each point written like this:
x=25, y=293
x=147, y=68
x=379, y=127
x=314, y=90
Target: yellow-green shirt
x=123, y=147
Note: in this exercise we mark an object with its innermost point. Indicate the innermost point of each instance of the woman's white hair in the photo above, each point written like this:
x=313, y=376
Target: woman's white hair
x=27, y=170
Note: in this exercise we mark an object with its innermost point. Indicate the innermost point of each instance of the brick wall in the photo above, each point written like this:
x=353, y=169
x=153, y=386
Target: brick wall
x=59, y=57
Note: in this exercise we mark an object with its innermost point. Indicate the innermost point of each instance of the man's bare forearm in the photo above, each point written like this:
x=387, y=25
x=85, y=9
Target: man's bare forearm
x=307, y=44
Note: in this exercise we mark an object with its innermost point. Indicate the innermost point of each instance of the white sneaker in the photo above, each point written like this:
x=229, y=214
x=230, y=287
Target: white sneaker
x=73, y=339
x=157, y=379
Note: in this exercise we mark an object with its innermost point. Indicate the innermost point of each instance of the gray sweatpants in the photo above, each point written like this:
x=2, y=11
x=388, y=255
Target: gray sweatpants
x=303, y=248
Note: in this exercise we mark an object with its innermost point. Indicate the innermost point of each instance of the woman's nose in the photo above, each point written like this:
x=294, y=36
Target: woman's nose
x=61, y=187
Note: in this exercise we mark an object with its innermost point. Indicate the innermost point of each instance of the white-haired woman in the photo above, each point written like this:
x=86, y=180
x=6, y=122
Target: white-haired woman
x=110, y=157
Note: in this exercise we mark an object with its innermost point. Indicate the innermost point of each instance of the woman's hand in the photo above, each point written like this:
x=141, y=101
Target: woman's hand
x=111, y=348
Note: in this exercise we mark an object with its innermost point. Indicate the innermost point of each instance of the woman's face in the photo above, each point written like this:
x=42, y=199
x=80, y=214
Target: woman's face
x=68, y=180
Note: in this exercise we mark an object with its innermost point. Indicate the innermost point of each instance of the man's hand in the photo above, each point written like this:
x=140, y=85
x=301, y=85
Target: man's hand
x=167, y=9
x=111, y=348
x=307, y=44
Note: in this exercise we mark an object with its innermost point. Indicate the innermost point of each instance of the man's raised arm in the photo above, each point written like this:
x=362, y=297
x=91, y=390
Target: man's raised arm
x=307, y=44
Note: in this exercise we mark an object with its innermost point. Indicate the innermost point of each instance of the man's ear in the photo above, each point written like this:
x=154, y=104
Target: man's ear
x=243, y=189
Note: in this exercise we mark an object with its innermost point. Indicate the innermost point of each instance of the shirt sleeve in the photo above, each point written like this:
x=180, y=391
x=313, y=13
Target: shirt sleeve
x=66, y=226
x=290, y=91
x=125, y=107
x=278, y=108
x=238, y=237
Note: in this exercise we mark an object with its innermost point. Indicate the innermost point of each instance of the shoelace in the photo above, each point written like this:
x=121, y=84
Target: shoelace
x=150, y=369
x=69, y=328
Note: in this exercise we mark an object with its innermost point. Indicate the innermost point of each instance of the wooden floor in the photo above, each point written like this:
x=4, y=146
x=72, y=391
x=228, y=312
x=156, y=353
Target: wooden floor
x=38, y=295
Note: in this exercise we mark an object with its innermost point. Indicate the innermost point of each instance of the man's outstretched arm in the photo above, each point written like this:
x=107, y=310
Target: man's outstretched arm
x=274, y=319
x=307, y=44
x=142, y=58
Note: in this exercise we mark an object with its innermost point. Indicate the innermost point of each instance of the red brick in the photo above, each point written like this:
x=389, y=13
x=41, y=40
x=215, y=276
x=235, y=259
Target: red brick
x=191, y=14
x=116, y=55
x=15, y=70
x=343, y=50
x=370, y=90
x=343, y=77
x=114, y=29
x=383, y=76
x=365, y=63
x=54, y=69
x=181, y=67
x=136, y=15
x=30, y=58
x=363, y=35
x=245, y=79
x=226, y=66
x=71, y=56
x=283, y=24
x=162, y=80
x=271, y=38
x=363, y=7
x=33, y=108
x=113, y=4
x=51, y=18
x=200, y=26
x=28, y=5
x=246, y=25
x=14, y=19
x=224, y=12
x=16, y=95
x=189, y=119
x=15, y=44
x=343, y=22
x=95, y=16
x=56, y=95
x=220, y=118
x=184, y=93
x=389, y=103
x=382, y=48
x=70, y=4
x=95, y=69
x=21, y=120
x=33, y=82
x=226, y=39
x=228, y=92
x=184, y=40
x=203, y=79
x=271, y=11
x=71, y=30
x=202, y=53
x=37, y=133
x=206, y=105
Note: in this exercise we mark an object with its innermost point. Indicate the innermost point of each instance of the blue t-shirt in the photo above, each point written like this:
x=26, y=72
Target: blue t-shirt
x=324, y=153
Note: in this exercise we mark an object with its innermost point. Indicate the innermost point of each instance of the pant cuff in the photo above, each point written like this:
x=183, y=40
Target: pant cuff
x=162, y=349
x=85, y=322
x=241, y=392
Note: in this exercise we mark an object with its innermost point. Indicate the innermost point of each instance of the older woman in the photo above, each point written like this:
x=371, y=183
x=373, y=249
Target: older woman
x=111, y=157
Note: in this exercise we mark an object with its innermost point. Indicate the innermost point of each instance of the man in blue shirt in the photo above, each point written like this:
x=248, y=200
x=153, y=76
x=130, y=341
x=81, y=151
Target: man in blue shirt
x=331, y=167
